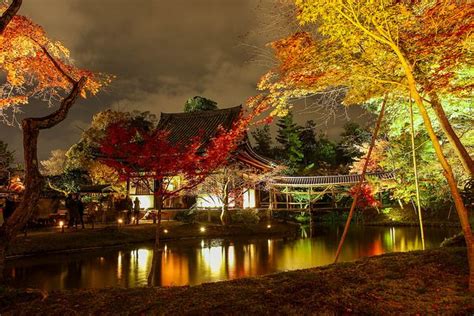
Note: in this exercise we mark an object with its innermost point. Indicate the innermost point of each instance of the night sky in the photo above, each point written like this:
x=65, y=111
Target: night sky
x=162, y=53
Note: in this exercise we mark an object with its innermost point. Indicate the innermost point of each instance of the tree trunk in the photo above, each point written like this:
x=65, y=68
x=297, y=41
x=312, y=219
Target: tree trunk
x=447, y=170
x=224, y=214
x=454, y=140
x=225, y=208
x=159, y=207
x=33, y=179
x=9, y=13
x=153, y=276
x=458, y=202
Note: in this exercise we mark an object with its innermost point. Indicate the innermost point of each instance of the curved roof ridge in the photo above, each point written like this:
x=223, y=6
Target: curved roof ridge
x=237, y=108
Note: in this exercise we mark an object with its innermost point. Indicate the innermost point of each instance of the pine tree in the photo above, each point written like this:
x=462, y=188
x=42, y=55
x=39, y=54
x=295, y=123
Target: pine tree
x=309, y=143
x=263, y=141
x=199, y=103
x=289, y=138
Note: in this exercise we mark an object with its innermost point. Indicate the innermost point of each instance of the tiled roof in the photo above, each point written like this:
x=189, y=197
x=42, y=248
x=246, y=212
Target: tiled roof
x=184, y=126
x=246, y=154
x=328, y=180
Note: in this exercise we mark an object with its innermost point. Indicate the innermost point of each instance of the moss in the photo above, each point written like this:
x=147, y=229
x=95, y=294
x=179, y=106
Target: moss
x=430, y=282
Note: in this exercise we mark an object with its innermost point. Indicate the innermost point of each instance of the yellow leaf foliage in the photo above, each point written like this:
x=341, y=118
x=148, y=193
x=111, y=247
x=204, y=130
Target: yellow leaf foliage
x=358, y=45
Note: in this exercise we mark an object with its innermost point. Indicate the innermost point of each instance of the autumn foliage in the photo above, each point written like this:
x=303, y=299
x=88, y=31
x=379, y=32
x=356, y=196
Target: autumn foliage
x=36, y=66
x=366, y=196
x=149, y=154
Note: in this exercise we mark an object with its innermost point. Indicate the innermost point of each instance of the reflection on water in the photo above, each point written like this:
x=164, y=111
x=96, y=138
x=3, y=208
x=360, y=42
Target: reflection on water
x=197, y=261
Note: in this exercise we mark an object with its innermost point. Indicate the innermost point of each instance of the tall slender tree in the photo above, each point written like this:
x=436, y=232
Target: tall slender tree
x=403, y=48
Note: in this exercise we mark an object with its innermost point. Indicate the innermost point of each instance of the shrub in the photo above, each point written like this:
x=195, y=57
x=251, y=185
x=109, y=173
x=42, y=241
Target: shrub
x=245, y=216
x=187, y=216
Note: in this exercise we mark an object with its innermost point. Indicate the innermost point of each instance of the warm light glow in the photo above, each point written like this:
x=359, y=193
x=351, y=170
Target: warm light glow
x=61, y=223
x=140, y=263
x=120, y=221
x=202, y=229
x=119, y=265
x=249, y=198
x=269, y=226
x=146, y=201
x=142, y=255
x=208, y=201
x=165, y=231
x=133, y=218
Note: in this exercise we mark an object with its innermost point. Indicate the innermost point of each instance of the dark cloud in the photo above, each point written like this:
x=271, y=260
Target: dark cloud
x=161, y=52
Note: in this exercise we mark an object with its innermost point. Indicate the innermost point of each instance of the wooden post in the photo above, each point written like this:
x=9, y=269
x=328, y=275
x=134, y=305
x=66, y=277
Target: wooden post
x=333, y=198
x=415, y=171
x=270, y=203
x=362, y=178
x=287, y=202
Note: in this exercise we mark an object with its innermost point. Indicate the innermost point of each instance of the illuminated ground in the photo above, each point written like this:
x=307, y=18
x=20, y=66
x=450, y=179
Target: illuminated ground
x=431, y=282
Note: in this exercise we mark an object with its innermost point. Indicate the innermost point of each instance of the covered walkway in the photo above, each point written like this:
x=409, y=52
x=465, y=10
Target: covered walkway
x=298, y=193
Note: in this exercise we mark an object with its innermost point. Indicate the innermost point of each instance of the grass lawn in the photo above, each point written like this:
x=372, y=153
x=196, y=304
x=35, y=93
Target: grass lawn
x=430, y=282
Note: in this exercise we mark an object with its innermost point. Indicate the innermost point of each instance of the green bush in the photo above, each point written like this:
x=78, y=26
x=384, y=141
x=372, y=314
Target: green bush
x=187, y=216
x=303, y=218
x=245, y=216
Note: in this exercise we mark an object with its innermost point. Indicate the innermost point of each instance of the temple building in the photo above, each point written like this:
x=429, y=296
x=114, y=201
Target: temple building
x=183, y=127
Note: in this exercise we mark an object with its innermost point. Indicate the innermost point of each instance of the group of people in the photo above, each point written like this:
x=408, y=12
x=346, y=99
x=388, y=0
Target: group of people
x=75, y=209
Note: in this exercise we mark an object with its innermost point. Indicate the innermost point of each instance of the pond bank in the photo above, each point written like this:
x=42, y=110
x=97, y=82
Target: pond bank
x=390, y=216
x=39, y=243
x=428, y=282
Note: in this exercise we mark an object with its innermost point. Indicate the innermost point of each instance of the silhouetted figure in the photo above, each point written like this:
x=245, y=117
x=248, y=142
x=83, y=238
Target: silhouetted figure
x=136, y=209
x=128, y=208
x=73, y=211
x=9, y=208
x=80, y=209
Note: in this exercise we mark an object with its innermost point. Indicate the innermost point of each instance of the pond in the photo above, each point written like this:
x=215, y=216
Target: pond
x=190, y=262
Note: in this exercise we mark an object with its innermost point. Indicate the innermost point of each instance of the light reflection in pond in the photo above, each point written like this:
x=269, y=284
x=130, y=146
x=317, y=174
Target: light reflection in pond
x=197, y=261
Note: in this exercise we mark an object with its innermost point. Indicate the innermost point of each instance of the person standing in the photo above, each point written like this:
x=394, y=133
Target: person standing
x=136, y=209
x=80, y=209
x=71, y=207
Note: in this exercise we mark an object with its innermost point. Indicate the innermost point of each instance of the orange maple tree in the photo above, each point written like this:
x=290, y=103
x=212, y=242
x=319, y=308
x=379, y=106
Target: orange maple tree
x=34, y=66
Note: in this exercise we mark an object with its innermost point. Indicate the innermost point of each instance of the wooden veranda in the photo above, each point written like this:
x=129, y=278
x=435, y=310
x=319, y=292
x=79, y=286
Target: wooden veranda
x=299, y=193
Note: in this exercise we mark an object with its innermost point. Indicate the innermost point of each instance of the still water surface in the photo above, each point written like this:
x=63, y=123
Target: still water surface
x=198, y=261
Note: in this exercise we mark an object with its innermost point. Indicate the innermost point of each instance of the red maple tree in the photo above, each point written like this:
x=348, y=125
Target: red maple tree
x=366, y=196
x=148, y=155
